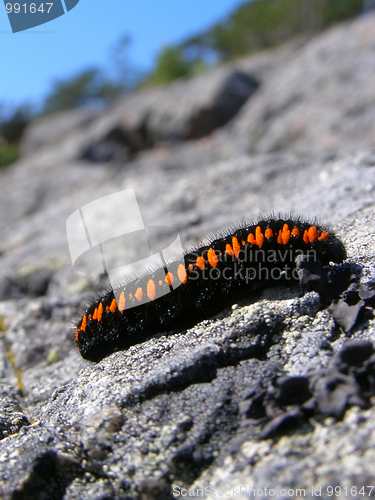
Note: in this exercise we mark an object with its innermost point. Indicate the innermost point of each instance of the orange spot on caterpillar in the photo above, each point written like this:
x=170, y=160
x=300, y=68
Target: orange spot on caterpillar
x=121, y=302
x=200, y=262
x=160, y=282
x=259, y=238
x=236, y=246
x=100, y=311
x=268, y=233
x=107, y=308
x=243, y=243
x=228, y=249
x=139, y=294
x=295, y=231
x=151, y=289
x=279, y=237
x=84, y=323
x=191, y=266
x=212, y=257
x=305, y=237
x=95, y=315
x=285, y=234
x=130, y=296
x=113, y=306
x=182, y=274
x=323, y=236
x=76, y=334
x=251, y=239
x=312, y=233
x=169, y=278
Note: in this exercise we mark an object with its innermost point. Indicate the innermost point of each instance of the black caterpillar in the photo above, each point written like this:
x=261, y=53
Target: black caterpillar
x=204, y=283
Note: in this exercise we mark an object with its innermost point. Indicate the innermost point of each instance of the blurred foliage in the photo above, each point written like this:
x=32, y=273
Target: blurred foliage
x=254, y=26
x=9, y=153
x=260, y=24
x=89, y=87
x=125, y=73
x=170, y=66
x=13, y=122
x=173, y=63
x=94, y=86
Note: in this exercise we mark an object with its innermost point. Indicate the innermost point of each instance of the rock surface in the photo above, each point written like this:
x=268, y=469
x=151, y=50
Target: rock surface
x=270, y=394
x=55, y=129
x=322, y=99
x=186, y=109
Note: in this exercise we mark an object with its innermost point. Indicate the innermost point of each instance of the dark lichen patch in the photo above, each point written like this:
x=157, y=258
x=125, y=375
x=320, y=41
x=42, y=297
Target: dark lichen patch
x=292, y=400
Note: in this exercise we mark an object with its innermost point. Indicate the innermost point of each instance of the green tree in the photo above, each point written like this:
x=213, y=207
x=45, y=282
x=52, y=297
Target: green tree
x=170, y=65
x=13, y=122
x=260, y=24
x=87, y=87
x=339, y=10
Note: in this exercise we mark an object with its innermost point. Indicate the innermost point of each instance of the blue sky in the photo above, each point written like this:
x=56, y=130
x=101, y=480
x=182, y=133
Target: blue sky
x=31, y=60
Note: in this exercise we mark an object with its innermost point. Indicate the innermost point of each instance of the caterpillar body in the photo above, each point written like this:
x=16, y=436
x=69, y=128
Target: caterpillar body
x=206, y=281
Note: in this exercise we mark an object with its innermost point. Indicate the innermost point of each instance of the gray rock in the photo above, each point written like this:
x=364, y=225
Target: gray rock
x=322, y=99
x=34, y=283
x=52, y=130
x=174, y=411
x=186, y=109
